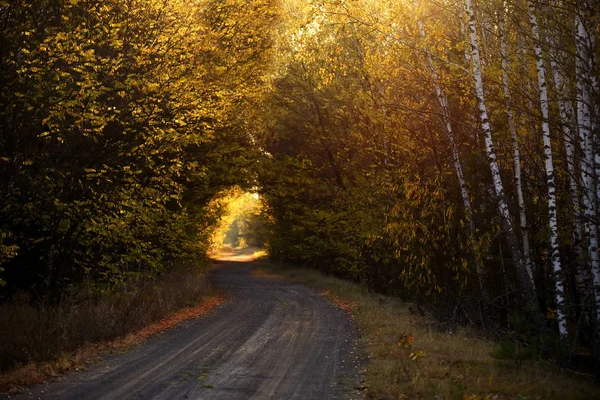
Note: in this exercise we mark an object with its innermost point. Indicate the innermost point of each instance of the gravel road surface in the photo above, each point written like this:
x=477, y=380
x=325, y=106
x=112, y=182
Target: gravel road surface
x=274, y=339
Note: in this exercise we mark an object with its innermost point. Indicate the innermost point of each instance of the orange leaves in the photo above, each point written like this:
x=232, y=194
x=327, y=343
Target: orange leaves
x=37, y=372
x=342, y=304
x=196, y=311
x=405, y=340
x=551, y=313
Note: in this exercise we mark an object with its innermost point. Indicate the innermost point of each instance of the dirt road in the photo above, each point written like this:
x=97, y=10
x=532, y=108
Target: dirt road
x=273, y=340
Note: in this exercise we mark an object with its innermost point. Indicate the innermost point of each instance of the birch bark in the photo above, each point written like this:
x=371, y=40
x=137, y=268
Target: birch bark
x=516, y=150
x=445, y=112
x=550, y=181
x=569, y=132
x=583, y=71
x=524, y=278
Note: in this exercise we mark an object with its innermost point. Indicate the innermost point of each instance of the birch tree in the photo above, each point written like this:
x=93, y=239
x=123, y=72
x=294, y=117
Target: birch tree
x=525, y=280
x=464, y=191
x=558, y=62
x=516, y=147
x=550, y=181
x=585, y=70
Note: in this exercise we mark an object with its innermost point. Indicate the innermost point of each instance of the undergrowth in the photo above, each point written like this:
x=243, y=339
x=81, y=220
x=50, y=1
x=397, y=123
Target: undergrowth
x=409, y=358
x=42, y=341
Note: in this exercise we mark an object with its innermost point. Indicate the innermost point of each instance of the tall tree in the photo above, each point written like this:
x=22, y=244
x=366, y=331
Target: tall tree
x=550, y=181
x=524, y=278
x=585, y=70
x=464, y=192
x=516, y=146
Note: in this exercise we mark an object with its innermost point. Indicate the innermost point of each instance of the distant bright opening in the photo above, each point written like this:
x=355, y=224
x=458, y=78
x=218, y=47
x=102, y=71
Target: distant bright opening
x=241, y=230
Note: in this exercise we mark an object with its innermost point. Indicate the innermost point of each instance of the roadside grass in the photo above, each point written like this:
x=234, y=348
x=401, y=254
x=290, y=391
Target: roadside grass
x=408, y=358
x=38, y=343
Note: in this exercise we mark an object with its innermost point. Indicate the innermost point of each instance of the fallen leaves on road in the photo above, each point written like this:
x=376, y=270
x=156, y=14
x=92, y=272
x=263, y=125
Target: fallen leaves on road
x=345, y=305
x=167, y=323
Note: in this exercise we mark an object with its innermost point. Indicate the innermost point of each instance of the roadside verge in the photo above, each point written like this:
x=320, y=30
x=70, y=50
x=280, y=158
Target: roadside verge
x=409, y=358
x=71, y=337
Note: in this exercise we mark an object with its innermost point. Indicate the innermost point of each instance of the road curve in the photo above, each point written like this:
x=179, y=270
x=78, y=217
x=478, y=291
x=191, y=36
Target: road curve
x=273, y=340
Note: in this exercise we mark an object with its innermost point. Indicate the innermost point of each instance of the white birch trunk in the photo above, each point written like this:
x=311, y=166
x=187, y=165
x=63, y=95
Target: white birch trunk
x=569, y=131
x=549, y=166
x=464, y=192
x=525, y=280
x=583, y=70
x=516, y=151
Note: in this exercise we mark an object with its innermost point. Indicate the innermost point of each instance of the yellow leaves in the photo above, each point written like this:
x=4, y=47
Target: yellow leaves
x=416, y=355
x=134, y=110
x=406, y=340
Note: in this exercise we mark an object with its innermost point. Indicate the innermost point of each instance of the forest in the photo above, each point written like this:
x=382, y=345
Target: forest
x=442, y=151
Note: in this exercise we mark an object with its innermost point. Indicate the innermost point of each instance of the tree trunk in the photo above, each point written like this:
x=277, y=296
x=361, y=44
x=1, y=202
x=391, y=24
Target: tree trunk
x=569, y=130
x=584, y=69
x=516, y=151
x=550, y=181
x=524, y=279
x=464, y=192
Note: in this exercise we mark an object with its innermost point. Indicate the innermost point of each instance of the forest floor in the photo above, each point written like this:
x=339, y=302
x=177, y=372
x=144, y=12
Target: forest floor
x=410, y=358
x=274, y=338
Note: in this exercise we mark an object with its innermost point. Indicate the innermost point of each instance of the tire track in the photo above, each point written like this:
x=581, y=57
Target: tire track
x=273, y=340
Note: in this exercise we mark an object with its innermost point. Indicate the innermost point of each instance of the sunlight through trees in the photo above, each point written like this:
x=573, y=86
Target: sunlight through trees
x=447, y=150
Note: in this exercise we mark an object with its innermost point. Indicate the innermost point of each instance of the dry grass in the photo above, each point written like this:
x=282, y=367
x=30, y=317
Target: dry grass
x=41, y=343
x=410, y=359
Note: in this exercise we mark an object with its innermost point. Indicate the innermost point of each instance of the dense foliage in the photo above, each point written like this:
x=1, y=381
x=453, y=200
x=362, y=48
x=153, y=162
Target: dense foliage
x=443, y=149
x=410, y=148
x=120, y=121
